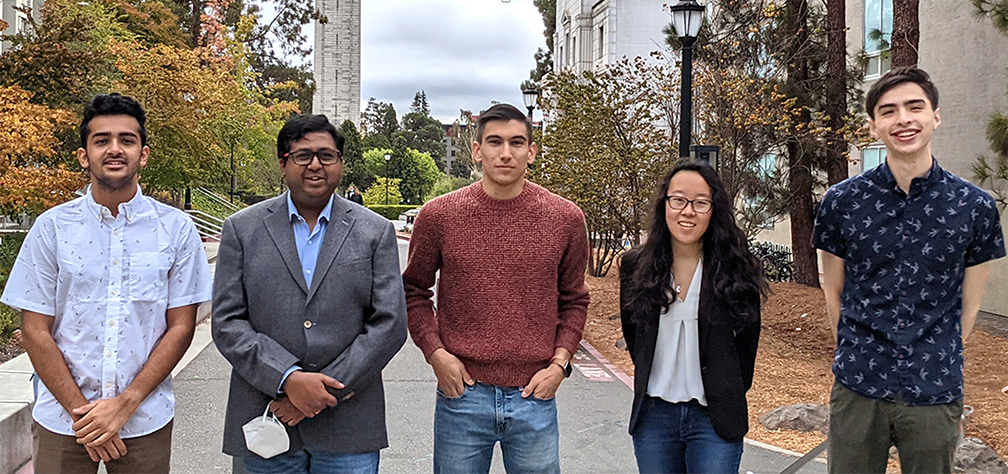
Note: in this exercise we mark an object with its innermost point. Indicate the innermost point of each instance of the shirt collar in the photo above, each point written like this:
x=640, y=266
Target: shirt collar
x=293, y=212
x=932, y=176
x=130, y=209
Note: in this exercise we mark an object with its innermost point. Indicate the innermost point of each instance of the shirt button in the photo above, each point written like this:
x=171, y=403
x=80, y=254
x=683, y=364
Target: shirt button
x=902, y=325
x=116, y=232
x=115, y=261
x=308, y=272
x=901, y=356
x=307, y=324
x=309, y=242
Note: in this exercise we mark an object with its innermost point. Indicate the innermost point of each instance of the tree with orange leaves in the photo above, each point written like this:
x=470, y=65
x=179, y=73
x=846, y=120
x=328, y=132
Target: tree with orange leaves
x=32, y=177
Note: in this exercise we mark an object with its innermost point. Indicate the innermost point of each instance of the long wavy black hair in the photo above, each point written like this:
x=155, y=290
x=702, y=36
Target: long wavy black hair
x=737, y=275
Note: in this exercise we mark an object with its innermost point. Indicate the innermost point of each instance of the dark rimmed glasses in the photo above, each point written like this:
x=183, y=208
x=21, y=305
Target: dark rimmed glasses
x=679, y=203
x=325, y=156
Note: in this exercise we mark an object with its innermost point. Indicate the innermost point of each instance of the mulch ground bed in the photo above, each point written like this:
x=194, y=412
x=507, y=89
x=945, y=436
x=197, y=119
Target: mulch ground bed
x=795, y=356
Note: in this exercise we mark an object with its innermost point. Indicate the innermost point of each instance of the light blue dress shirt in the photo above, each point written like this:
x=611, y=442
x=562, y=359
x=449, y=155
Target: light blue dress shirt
x=309, y=243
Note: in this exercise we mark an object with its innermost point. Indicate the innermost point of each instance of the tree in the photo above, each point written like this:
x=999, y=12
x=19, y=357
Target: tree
x=354, y=168
x=905, y=33
x=993, y=172
x=420, y=104
x=463, y=133
x=423, y=133
x=544, y=58
x=378, y=124
x=32, y=175
x=836, y=90
x=605, y=151
x=376, y=195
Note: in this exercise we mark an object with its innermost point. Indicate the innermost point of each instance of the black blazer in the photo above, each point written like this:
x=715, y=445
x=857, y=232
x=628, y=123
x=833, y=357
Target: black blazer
x=727, y=354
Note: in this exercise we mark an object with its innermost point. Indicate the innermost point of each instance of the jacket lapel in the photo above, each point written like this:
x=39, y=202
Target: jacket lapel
x=341, y=220
x=707, y=305
x=278, y=225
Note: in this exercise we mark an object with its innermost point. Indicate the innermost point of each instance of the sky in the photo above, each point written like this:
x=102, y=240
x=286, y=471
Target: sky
x=462, y=53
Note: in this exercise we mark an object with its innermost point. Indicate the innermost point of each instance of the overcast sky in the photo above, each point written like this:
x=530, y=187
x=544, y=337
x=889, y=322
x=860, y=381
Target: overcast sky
x=463, y=53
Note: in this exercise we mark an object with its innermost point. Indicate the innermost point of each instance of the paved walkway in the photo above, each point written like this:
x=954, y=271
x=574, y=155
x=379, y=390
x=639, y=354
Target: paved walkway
x=593, y=410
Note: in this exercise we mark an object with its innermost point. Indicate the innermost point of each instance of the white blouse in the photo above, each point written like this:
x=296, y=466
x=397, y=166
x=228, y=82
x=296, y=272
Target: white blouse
x=675, y=370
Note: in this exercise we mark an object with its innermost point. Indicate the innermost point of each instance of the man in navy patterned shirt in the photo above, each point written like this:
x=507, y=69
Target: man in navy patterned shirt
x=905, y=250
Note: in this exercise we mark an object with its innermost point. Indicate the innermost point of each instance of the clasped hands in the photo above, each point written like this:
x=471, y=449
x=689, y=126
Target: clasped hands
x=97, y=424
x=307, y=395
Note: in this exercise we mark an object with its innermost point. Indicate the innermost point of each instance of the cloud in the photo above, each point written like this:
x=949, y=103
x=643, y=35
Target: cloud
x=462, y=53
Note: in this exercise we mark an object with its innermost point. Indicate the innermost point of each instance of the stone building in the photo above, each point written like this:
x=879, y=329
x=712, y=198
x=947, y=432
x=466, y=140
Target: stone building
x=337, y=61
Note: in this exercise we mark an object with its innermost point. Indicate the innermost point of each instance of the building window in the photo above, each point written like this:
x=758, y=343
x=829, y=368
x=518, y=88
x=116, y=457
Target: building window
x=878, y=22
x=453, y=153
x=872, y=156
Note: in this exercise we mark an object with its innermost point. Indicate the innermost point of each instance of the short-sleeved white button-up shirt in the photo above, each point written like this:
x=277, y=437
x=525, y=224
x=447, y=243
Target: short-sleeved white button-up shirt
x=109, y=281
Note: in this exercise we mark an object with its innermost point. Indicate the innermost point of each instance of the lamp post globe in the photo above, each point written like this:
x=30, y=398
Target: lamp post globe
x=687, y=16
x=388, y=157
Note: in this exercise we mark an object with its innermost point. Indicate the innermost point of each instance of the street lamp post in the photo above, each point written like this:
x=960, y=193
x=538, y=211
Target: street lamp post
x=529, y=97
x=387, y=158
x=687, y=15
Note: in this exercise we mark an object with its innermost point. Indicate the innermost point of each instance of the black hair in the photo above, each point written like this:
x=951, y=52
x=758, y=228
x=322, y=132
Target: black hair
x=898, y=76
x=737, y=274
x=300, y=125
x=113, y=104
x=504, y=113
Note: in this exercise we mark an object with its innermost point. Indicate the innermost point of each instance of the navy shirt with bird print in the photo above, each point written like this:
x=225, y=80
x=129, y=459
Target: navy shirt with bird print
x=905, y=256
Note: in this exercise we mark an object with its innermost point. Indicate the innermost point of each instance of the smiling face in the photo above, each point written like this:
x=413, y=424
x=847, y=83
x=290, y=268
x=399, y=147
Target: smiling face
x=904, y=120
x=686, y=225
x=113, y=154
x=505, y=152
x=312, y=185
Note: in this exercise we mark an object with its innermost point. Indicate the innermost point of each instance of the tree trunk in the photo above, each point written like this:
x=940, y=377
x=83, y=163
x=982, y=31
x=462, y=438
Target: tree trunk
x=905, y=33
x=799, y=169
x=836, y=89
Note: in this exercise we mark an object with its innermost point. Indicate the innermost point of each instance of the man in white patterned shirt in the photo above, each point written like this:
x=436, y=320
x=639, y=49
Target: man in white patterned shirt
x=108, y=286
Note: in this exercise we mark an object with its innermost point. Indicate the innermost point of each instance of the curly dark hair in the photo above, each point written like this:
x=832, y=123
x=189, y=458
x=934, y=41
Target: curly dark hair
x=737, y=274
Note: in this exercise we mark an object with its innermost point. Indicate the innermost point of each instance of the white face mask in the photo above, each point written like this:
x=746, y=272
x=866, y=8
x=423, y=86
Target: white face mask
x=266, y=436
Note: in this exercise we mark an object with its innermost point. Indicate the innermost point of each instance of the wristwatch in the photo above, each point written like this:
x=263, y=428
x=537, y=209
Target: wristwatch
x=566, y=367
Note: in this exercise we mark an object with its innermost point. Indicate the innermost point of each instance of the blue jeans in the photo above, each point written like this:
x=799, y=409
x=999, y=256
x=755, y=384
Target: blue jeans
x=305, y=461
x=679, y=438
x=467, y=427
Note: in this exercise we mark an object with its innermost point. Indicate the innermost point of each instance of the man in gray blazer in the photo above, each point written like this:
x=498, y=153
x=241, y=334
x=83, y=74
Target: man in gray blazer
x=308, y=308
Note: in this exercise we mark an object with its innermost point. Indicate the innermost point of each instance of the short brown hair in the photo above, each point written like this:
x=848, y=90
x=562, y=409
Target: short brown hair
x=503, y=113
x=899, y=76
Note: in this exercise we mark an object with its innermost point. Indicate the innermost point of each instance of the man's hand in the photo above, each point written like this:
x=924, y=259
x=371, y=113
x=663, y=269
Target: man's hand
x=452, y=377
x=286, y=412
x=545, y=382
x=307, y=391
x=114, y=449
x=101, y=420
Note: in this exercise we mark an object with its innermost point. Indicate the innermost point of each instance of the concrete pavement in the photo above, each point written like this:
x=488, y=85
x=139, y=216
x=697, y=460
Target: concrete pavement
x=593, y=410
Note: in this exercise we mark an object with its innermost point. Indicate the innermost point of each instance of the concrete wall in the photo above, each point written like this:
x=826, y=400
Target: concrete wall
x=337, y=61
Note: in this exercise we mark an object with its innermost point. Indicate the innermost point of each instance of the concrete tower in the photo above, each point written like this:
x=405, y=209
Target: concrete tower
x=337, y=61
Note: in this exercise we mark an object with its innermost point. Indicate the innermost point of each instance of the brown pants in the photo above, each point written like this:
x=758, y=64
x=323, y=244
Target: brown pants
x=58, y=454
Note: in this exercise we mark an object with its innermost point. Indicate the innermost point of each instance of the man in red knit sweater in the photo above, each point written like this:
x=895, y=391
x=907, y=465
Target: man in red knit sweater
x=512, y=304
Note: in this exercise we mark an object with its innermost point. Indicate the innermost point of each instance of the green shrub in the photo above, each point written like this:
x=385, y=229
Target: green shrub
x=391, y=212
x=9, y=247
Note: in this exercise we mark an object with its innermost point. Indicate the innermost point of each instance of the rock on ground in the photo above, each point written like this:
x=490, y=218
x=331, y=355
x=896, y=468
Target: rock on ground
x=974, y=457
x=800, y=417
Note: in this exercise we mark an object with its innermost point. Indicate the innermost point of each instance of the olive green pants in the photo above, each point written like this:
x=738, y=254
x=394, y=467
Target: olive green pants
x=861, y=430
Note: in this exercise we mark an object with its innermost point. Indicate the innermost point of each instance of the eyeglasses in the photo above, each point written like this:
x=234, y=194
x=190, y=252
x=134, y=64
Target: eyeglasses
x=699, y=205
x=304, y=157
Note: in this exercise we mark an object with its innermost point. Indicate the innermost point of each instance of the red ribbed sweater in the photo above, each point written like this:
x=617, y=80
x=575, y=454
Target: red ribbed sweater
x=511, y=288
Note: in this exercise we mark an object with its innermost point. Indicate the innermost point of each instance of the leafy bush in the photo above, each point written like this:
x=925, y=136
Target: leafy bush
x=391, y=212
x=9, y=247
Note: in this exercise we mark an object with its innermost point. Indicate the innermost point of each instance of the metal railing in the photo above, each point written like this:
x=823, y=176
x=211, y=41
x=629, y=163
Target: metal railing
x=209, y=227
x=219, y=200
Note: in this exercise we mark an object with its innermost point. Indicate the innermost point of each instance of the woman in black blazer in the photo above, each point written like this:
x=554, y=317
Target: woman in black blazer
x=690, y=308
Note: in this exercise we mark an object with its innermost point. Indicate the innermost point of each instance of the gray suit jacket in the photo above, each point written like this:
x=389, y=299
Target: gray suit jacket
x=348, y=325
